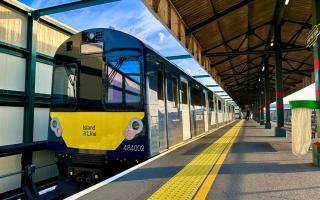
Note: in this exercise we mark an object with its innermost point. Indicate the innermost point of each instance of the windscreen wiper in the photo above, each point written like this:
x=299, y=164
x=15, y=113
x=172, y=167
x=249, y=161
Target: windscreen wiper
x=115, y=69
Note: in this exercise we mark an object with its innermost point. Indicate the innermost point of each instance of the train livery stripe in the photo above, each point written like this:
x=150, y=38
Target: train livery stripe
x=186, y=183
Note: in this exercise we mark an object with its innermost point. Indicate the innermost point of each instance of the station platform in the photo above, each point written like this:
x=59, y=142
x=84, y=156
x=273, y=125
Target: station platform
x=257, y=166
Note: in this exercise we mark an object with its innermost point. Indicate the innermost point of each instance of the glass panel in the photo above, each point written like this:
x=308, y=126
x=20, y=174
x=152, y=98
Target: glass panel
x=184, y=93
x=130, y=66
x=92, y=48
x=114, y=95
x=196, y=96
x=117, y=79
x=130, y=98
x=160, y=86
x=64, y=84
x=123, y=83
x=132, y=84
x=175, y=92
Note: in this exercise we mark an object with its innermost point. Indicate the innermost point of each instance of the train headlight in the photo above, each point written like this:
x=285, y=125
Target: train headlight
x=135, y=127
x=55, y=127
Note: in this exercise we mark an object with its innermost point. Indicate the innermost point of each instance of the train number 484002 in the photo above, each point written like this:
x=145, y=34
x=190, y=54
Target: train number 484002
x=133, y=147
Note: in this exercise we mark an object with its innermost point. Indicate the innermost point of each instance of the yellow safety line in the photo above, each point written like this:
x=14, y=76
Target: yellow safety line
x=206, y=186
x=186, y=183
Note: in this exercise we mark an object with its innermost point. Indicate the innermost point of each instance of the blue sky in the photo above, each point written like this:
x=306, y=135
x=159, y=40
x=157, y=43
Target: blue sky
x=130, y=16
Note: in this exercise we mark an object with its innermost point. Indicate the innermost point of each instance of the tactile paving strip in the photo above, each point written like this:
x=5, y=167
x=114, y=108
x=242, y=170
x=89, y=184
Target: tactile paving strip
x=185, y=183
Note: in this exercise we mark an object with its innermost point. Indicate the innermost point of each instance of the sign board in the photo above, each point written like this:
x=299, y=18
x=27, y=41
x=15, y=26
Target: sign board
x=313, y=36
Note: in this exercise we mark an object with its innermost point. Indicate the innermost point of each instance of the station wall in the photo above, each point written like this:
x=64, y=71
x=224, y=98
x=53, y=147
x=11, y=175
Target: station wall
x=13, y=78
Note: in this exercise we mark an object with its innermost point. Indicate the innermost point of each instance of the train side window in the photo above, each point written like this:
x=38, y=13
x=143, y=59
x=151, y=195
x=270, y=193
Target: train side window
x=184, y=93
x=160, y=85
x=211, y=105
x=196, y=97
x=219, y=105
x=204, y=99
x=175, y=92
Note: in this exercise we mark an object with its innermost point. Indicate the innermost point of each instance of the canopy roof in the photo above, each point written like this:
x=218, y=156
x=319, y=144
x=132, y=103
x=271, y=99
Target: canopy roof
x=236, y=35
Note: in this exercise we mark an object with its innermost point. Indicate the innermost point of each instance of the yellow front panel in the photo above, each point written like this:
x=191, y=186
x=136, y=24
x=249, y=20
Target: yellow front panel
x=108, y=131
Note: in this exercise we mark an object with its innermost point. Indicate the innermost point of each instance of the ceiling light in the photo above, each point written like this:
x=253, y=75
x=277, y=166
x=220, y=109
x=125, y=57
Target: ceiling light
x=287, y=2
x=259, y=79
x=262, y=67
x=271, y=44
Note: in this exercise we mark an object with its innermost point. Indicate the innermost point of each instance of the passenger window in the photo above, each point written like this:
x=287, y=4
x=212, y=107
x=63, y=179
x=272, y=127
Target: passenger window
x=204, y=102
x=196, y=96
x=211, y=105
x=184, y=93
x=175, y=92
x=219, y=105
x=160, y=86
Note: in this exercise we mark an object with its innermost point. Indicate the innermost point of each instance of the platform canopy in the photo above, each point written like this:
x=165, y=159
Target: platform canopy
x=232, y=38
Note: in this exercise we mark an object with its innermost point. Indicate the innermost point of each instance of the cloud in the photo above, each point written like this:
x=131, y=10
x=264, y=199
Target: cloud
x=161, y=37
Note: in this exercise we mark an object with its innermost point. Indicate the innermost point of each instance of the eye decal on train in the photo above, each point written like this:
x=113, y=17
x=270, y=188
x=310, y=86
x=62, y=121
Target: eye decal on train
x=55, y=127
x=134, y=128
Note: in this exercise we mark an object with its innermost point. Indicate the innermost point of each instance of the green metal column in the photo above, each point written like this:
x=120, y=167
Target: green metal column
x=259, y=110
x=262, y=109
x=29, y=90
x=267, y=124
x=279, y=130
x=316, y=57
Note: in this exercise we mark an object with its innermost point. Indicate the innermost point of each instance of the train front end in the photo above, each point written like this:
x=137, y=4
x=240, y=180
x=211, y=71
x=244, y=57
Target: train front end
x=97, y=108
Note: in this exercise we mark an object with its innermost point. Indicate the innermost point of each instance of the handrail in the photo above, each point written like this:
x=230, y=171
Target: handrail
x=23, y=171
x=14, y=149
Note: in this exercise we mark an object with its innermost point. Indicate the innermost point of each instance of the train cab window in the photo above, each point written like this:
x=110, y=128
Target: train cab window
x=175, y=92
x=64, y=86
x=160, y=85
x=123, y=83
x=184, y=93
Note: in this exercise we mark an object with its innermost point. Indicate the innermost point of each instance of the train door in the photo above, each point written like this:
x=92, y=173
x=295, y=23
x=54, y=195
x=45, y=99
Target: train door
x=205, y=113
x=162, y=113
x=185, y=109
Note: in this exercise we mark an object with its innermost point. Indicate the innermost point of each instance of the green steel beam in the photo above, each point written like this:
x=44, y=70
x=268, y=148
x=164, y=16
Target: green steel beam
x=262, y=108
x=201, y=76
x=36, y=14
x=29, y=92
x=13, y=50
x=257, y=52
x=267, y=124
x=279, y=93
x=179, y=57
x=212, y=85
x=219, y=91
x=12, y=97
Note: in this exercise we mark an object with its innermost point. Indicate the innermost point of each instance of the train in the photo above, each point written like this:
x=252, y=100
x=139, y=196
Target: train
x=115, y=100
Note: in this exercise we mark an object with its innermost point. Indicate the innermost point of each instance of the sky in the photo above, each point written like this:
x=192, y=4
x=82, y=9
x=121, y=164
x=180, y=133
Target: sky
x=132, y=17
